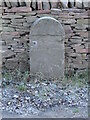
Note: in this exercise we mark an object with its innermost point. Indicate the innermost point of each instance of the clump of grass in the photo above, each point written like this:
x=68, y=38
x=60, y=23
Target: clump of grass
x=79, y=78
x=15, y=77
x=83, y=75
x=76, y=111
x=22, y=87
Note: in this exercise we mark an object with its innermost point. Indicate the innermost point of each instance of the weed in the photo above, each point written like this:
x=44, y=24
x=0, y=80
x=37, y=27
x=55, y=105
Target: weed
x=22, y=87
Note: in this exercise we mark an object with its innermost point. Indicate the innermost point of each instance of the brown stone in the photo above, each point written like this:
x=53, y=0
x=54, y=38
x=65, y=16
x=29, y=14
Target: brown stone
x=84, y=34
x=82, y=51
x=10, y=35
x=43, y=11
x=40, y=5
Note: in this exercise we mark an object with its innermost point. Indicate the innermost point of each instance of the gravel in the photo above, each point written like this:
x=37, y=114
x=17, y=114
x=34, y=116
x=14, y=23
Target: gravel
x=41, y=96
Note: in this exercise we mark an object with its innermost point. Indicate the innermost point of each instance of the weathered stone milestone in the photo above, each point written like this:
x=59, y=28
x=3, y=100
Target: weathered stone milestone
x=47, y=48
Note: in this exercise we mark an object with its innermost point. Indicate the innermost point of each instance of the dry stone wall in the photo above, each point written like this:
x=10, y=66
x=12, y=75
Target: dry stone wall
x=46, y=4
x=16, y=25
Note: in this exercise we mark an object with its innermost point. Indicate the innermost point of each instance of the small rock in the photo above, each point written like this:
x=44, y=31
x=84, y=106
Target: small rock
x=15, y=96
x=9, y=103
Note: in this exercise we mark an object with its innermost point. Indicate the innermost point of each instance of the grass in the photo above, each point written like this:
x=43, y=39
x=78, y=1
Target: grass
x=22, y=87
x=80, y=78
x=76, y=111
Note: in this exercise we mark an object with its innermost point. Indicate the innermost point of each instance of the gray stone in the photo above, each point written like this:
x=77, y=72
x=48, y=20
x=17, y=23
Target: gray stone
x=46, y=5
x=79, y=4
x=47, y=48
x=8, y=29
x=14, y=3
x=86, y=3
x=11, y=64
x=55, y=11
x=31, y=19
x=8, y=3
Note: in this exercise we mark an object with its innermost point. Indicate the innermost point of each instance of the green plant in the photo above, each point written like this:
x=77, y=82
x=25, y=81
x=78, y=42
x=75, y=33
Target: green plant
x=26, y=76
x=22, y=87
x=79, y=78
x=76, y=111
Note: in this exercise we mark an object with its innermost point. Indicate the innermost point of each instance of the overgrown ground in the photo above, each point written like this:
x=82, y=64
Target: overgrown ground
x=25, y=95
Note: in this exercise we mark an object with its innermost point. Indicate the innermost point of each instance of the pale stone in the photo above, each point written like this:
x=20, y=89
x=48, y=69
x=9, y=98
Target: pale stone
x=65, y=2
x=8, y=3
x=47, y=48
x=55, y=11
x=7, y=29
x=86, y=3
x=34, y=5
x=79, y=4
x=46, y=5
